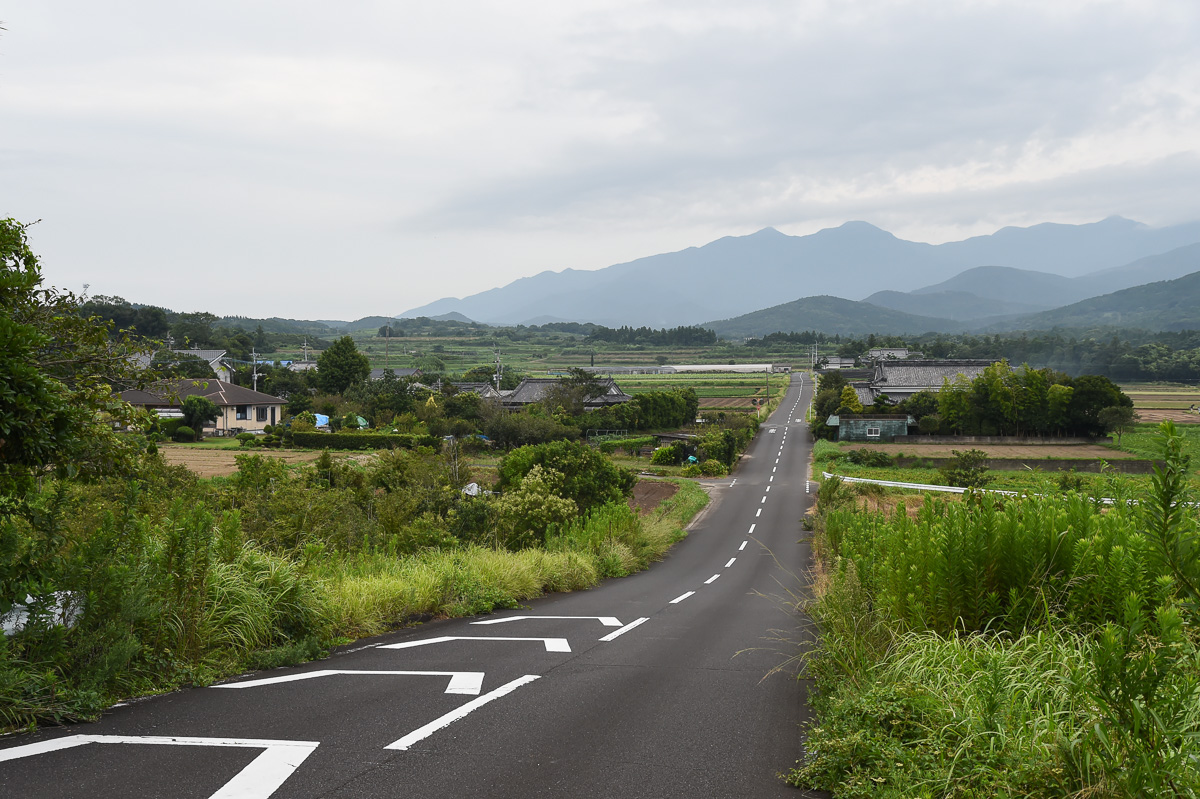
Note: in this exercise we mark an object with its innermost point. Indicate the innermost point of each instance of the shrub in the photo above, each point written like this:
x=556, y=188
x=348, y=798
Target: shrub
x=183, y=433
x=670, y=455
x=870, y=457
x=588, y=478
x=826, y=451
x=245, y=439
x=356, y=440
x=967, y=470
x=691, y=470
x=713, y=468
x=929, y=425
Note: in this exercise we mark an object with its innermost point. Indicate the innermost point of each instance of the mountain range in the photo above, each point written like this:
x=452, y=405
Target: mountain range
x=1013, y=271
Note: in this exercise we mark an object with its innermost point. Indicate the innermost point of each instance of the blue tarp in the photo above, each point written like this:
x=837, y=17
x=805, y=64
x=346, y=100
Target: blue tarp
x=322, y=420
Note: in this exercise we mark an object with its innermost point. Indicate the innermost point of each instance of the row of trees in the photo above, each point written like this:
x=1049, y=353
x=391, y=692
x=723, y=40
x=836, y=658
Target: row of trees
x=1000, y=401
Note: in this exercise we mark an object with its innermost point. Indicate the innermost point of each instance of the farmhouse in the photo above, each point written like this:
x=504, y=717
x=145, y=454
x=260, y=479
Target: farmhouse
x=240, y=408
x=870, y=426
x=535, y=389
x=901, y=379
x=377, y=374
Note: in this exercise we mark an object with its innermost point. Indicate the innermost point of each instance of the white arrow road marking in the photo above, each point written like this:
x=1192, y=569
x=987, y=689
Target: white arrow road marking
x=461, y=682
x=613, y=635
x=422, y=733
x=607, y=621
x=552, y=644
x=261, y=778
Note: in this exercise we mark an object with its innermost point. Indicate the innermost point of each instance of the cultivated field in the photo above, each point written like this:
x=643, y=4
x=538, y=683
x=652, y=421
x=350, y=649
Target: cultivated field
x=1157, y=402
x=1070, y=451
x=221, y=463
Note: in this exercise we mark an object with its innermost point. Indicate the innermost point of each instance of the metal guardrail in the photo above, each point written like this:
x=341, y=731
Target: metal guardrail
x=950, y=489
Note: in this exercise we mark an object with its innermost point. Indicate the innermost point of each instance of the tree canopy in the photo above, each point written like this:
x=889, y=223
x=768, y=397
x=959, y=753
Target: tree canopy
x=342, y=366
x=58, y=374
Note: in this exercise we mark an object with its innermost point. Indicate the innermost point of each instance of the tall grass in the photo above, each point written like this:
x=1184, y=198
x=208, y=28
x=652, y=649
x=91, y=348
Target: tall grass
x=1034, y=646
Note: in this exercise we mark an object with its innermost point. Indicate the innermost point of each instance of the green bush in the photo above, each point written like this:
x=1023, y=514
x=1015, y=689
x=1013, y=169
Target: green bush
x=670, y=455
x=967, y=470
x=245, y=439
x=314, y=440
x=588, y=478
x=826, y=451
x=713, y=468
x=169, y=426
x=691, y=470
x=183, y=433
x=929, y=425
x=870, y=457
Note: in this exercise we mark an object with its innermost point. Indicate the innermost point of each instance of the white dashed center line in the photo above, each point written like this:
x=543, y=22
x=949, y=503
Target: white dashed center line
x=681, y=597
x=712, y=579
x=743, y=546
x=730, y=563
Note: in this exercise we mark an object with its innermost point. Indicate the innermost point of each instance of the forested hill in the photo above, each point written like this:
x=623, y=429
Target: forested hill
x=1166, y=305
x=832, y=316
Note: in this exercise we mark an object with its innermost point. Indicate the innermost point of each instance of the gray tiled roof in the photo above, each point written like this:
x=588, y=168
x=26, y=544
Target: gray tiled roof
x=534, y=389
x=926, y=374
x=173, y=392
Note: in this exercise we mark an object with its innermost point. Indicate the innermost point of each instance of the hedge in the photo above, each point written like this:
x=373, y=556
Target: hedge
x=314, y=440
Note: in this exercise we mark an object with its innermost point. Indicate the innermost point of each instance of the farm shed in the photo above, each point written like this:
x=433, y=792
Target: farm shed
x=870, y=426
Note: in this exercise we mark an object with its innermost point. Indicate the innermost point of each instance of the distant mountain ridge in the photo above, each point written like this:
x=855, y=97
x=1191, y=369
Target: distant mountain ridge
x=733, y=276
x=830, y=315
x=1003, y=291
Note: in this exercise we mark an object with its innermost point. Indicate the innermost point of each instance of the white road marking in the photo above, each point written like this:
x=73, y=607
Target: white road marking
x=774, y=469
x=752, y=529
x=260, y=778
x=712, y=579
x=777, y=460
x=733, y=482
x=768, y=490
x=758, y=514
x=461, y=682
x=770, y=479
x=552, y=644
x=613, y=635
x=607, y=621
x=730, y=563
x=680, y=598
x=424, y=732
x=764, y=499
x=772, y=430
x=743, y=546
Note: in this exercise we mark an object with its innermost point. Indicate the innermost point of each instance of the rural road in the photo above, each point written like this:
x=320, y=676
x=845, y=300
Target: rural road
x=653, y=685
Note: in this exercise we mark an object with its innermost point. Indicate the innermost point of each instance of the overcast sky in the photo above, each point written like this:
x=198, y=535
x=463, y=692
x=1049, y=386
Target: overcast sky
x=338, y=160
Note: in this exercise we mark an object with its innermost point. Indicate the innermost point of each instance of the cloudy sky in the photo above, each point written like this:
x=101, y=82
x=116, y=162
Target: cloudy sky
x=337, y=160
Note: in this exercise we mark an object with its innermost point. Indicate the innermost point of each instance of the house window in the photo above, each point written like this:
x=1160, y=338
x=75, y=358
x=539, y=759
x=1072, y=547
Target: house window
x=872, y=432
x=260, y=413
x=243, y=412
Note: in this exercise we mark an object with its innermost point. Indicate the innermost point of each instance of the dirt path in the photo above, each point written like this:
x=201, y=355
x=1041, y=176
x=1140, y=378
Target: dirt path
x=220, y=462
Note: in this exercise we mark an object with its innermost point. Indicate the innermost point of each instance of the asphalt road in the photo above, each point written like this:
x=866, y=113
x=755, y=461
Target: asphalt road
x=655, y=685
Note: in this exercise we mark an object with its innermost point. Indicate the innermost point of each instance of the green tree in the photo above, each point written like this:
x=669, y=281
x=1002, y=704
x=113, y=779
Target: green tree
x=1117, y=419
x=341, y=366
x=849, y=400
x=588, y=478
x=58, y=374
x=197, y=412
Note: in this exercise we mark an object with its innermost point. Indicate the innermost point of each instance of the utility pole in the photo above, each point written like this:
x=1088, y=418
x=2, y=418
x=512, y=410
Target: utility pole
x=254, y=367
x=499, y=369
